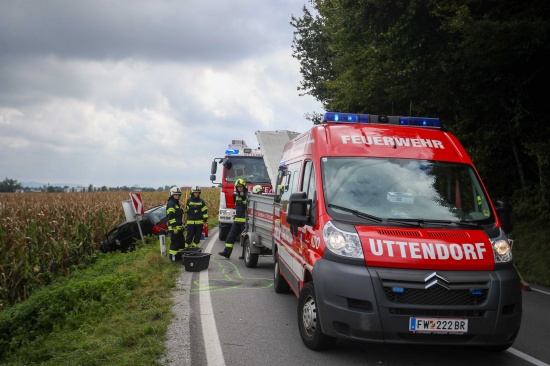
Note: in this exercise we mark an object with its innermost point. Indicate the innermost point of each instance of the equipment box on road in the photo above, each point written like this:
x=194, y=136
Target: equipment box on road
x=196, y=261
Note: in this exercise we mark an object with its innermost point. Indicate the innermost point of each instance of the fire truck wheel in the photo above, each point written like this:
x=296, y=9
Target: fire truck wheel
x=279, y=283
x=250, y=259
x=309, y=322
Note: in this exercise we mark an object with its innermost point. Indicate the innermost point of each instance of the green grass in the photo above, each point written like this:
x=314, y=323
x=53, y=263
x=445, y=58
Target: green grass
x=114, y=312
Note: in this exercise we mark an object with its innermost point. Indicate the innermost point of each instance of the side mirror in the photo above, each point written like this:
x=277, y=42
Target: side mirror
x=504, y=212
x=213, y=170
x=297, y=209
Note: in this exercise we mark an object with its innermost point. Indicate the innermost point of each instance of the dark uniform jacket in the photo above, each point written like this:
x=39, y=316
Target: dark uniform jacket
x=196, y=210
x=174, y=213
x=240, y=205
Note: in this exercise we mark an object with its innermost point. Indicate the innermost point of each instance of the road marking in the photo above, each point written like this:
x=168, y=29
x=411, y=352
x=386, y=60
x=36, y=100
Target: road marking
x=544, y=292
x=527, y=358
x=213, y=349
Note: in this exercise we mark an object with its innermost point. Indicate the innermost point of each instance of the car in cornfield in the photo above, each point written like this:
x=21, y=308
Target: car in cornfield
x=123, y=236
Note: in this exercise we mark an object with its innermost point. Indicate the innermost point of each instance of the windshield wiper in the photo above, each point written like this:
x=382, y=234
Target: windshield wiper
x=360, y=214
x=444, y=222
x=367, y=216
x=408, y=222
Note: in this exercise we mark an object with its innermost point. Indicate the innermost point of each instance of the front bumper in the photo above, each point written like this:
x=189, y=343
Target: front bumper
x=356, y=302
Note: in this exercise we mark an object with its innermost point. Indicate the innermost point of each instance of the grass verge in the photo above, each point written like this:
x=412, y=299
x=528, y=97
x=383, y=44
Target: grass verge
x=114, y=312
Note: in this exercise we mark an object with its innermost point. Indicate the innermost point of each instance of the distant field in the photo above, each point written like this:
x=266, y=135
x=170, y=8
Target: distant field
x=42, y=235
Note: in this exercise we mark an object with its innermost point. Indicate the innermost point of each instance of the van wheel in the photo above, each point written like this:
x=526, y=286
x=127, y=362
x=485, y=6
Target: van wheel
x=279, y=283
x=250, y=259
x=309, y=321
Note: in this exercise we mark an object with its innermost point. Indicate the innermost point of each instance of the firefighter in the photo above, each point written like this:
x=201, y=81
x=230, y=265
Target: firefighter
x=174, y=213
x=197, y=217
x=240, y=197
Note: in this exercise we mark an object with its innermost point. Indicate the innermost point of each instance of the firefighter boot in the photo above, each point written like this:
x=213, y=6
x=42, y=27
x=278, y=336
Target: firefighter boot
x=226, y=253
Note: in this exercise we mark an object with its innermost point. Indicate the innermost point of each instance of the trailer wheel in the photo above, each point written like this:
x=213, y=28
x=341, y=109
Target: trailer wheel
x=224, y=230
x=250, y=259
x=309, y=322
x=279, y=283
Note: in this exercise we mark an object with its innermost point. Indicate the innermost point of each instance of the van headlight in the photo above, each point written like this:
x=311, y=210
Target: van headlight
x=502, y=251
x=341, y=242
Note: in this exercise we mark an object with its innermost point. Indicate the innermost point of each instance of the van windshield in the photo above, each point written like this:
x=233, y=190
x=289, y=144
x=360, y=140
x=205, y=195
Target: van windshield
x=408, y=189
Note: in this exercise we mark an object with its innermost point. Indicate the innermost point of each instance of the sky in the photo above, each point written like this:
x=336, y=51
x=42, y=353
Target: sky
x=123, y=92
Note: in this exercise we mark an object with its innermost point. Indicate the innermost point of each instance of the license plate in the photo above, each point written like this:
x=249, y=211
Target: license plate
x=438, y=325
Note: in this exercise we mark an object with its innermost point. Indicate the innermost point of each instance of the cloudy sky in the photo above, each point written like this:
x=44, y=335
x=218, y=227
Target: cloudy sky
x=125, y=92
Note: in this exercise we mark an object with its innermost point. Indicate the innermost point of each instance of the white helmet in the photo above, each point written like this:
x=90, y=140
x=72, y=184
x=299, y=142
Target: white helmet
x=174, y=190
x=257, y=189
x=196, y=189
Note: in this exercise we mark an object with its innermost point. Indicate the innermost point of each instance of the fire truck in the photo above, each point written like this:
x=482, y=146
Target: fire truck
x=240, y=161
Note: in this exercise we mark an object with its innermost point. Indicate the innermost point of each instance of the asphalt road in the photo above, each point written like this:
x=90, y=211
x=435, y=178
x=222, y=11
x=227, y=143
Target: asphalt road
x=237, y=319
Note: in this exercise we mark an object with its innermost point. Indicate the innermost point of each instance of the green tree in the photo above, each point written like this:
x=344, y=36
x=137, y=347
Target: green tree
x=9, y=185
x=478, y=64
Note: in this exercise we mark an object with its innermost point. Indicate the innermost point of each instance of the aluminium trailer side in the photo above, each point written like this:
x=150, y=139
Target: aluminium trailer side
x=257, y=237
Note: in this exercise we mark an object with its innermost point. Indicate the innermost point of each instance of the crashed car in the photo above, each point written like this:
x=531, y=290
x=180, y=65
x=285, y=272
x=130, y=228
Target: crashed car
x=123, y=236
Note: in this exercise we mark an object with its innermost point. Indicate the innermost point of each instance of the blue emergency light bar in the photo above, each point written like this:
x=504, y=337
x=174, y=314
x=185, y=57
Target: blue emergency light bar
x=231, y=152
x=380, y=119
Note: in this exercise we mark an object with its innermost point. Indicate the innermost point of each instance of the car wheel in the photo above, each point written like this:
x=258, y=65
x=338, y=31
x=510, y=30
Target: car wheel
x=309, y=321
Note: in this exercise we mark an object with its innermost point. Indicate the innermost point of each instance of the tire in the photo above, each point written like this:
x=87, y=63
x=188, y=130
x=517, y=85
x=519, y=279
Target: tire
x=250, y=259
x=309, y=321
x=279, y=283
x=224, y=230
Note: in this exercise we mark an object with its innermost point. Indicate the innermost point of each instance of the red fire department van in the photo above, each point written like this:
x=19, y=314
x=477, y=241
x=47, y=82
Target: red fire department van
x=385, y=232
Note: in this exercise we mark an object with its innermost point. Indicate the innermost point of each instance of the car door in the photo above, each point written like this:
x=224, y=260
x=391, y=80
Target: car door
x=127, y=235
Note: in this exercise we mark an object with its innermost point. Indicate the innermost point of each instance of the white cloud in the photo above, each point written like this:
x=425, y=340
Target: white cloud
x=113, y=93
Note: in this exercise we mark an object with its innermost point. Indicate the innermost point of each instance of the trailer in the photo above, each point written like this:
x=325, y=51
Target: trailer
x=257, y=238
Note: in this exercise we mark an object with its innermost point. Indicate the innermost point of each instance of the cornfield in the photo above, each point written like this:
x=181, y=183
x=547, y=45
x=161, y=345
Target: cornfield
x=43, y=235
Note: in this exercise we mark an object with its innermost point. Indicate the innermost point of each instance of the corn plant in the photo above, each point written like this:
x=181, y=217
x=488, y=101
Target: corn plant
x=43, y=235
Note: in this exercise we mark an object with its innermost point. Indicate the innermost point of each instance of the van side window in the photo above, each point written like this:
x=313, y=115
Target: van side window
x=291, y=181
x=308, y=184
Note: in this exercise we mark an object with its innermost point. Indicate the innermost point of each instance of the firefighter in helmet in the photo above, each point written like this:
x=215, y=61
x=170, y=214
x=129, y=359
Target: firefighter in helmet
x=174, y=213
x=240, y=197
x=197, y=217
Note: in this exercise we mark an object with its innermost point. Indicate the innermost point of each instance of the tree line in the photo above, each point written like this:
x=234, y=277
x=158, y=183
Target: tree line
x=12, y=185
x=479, y=65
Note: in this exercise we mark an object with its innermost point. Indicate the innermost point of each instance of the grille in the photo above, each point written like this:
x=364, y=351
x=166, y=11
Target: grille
x=435, y=295
x=448, y=234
